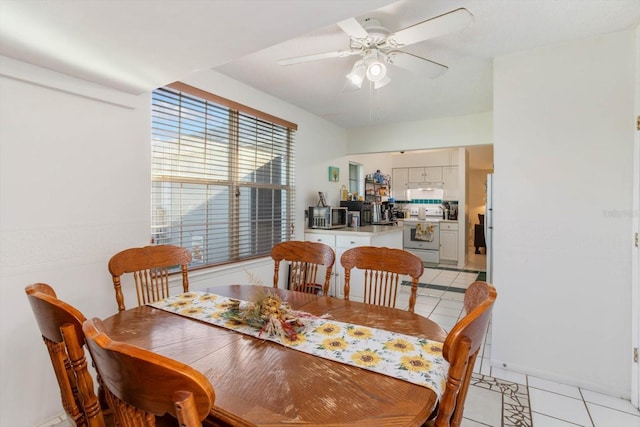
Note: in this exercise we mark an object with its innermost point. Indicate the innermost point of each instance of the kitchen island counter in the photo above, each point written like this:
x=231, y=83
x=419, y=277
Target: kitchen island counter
x=343, y=239
x=365, y=230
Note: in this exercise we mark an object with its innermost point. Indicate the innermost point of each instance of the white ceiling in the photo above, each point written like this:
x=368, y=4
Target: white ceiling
x=138, y=45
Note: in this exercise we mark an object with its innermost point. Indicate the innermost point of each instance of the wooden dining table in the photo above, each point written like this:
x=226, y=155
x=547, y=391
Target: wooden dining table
x=261, y=383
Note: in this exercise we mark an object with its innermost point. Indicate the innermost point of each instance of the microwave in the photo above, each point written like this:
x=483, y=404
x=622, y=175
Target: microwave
x=359, y=208
x=327, y=217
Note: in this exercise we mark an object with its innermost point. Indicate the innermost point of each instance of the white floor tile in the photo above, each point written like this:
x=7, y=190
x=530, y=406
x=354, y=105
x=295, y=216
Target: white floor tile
x=540, y=420
x=448, y=273
x=610, y=402
x=453, y=296
x=402, y=299
x=555, y=387
x=422, y=311
x=451, y=303
x=471, y=423
x=486, y=351
x=482, y=365
x=443, y=320
x=485, y=369
x=447, y=311
x=442, y=280
x=426, y=299
x=606, y=417
x=484, y=406
x=462, y=284
x=60, y=421
x=428, y=275
x=558, y=406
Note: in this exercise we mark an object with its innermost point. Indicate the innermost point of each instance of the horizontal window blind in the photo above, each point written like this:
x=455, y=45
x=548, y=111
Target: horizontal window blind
x=222, y=177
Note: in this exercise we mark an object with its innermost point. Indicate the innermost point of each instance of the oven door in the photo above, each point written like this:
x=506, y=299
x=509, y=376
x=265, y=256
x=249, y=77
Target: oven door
x=421, y=235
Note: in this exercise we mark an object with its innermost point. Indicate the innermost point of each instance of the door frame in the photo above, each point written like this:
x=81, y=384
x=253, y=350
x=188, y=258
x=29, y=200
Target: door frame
x=635, y=250
x=635, y=272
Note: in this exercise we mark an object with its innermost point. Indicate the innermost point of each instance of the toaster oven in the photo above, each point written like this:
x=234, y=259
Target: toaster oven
x=327, y=217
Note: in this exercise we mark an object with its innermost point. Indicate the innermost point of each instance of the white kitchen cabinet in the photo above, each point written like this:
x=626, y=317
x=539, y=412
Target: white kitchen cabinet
x=449, y=242
x=341, y=241
x=348, y=241
x=329, y=240
x=399, y=183
x=428, y=174
x=450, y=182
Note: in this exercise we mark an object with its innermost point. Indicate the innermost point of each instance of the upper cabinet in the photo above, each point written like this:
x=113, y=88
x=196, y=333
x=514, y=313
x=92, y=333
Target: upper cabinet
x=450, y=182
x=428, y=174
x=400, y=183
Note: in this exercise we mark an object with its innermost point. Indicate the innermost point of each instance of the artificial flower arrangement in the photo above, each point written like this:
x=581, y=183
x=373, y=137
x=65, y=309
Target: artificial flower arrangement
x=267, y=312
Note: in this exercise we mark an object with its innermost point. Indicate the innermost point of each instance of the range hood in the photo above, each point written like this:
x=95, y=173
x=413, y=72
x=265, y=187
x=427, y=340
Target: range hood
x=438, y=185
x=429, y=193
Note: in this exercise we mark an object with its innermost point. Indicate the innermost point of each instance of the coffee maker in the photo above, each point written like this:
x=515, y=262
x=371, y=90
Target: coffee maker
x=452, y=210
x=361, y=209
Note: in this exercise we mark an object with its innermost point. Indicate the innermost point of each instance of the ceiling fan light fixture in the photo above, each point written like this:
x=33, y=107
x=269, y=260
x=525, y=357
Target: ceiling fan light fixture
x=376, y=71
x=381, y=83
x=356, y=76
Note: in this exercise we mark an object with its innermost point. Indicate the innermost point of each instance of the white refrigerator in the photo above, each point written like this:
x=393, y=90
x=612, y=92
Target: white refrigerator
x=488, y=228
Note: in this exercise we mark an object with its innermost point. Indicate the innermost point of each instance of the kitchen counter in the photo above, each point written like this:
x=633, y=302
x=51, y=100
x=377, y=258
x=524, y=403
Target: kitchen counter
x=431, y=219
x=365, y=230
x=343, y=239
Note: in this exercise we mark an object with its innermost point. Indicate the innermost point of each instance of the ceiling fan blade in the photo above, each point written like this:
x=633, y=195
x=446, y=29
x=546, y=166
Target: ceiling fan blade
x=353, y=28
x=316, y=56
x=416, y=64
x=446, y=23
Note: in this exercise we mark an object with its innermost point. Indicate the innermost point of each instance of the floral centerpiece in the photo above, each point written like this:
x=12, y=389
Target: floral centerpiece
x=267, y=312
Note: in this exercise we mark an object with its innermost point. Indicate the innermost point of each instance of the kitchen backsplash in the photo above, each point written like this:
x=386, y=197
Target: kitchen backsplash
x=424, y=202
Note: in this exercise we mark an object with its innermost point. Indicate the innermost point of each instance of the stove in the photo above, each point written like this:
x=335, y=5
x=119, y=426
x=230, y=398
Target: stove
x=421, y=235
x=428, y=212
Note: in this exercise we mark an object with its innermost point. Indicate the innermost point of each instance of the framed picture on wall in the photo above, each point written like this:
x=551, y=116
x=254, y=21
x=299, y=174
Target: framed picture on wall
x=334, y=174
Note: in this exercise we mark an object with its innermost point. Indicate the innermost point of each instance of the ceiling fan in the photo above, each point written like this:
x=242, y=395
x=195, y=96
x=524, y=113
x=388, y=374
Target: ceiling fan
x=378, y=46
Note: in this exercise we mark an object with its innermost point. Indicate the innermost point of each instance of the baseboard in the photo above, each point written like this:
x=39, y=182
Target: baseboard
x=545, y=375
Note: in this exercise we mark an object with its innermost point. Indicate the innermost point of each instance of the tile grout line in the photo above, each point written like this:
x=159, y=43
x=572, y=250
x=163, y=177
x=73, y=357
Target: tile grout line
x=586, y=407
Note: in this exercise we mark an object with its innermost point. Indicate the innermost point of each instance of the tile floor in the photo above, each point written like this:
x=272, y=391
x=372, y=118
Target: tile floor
x=500, y=398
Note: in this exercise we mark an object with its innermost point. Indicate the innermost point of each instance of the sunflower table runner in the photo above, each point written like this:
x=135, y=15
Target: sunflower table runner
x=413, y=359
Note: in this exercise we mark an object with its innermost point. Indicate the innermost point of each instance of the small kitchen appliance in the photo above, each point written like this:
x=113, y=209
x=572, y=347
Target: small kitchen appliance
x=327, y=217
x=361, y=209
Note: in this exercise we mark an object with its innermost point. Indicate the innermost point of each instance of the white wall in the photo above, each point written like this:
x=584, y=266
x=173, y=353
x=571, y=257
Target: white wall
x=459, y=131
x=563, y=145
x=75, y=189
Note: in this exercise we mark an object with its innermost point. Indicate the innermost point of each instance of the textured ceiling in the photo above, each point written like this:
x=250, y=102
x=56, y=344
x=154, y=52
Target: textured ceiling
x=136, y=46
x=500, y=27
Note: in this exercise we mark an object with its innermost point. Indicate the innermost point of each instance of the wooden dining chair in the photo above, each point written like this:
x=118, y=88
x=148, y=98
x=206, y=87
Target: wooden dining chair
x=461, y=347
x=61, y=328
x=382, y=268
x=304, y=259
x=143, y=387
x=150, y=266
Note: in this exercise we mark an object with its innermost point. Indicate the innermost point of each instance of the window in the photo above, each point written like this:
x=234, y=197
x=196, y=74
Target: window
x=355, y=178
x=222, y=176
